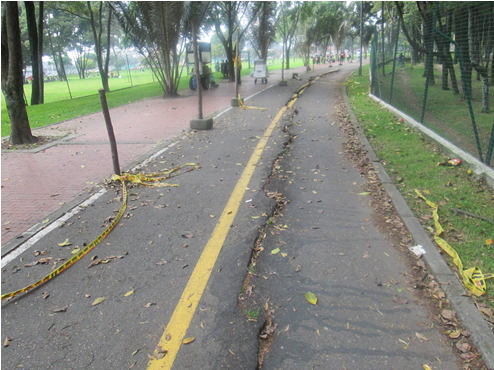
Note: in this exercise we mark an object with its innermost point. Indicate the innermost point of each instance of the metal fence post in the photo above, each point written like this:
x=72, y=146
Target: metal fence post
x=429, y=68
x=394, y=63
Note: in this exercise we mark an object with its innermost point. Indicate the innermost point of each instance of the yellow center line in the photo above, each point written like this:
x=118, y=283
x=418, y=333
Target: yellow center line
x=184, y=311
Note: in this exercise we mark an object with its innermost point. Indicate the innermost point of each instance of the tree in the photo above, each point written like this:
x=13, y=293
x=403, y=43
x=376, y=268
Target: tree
x=156, y=30
x=230, y=15
x=289, y=15
x=61, y=29
x=12, y=76
x=100, y=25
x=264, y=29
x=36, y=48
x=102, y=50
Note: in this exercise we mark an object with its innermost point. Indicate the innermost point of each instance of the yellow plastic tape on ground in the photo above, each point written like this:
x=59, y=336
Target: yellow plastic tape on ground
x=473, y=278
x=246, y=107
x=148, y=180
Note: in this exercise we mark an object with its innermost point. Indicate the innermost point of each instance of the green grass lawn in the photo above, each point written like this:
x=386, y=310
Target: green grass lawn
x=447, y=114
x=59, y=107
x=411, y=161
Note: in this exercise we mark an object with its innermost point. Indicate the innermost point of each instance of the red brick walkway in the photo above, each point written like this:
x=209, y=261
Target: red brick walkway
x=34, y=185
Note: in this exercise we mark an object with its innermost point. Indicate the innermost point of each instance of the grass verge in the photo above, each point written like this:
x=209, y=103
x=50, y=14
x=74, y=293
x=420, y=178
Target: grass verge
x=411, y=161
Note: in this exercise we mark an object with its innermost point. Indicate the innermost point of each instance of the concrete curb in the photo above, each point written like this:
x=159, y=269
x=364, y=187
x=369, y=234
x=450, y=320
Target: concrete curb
x=482, y=335
x=479, y=168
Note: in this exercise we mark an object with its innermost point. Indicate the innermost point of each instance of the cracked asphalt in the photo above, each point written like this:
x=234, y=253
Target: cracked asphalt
x=367, y=315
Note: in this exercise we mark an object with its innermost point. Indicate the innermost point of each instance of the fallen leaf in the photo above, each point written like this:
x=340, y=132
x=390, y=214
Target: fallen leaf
x=65, y=243
x=44, y=261
x=274, y=251
x=364, y=193
x=7, y=342
x=463, y=346
x=455, y=334
x=76, y=250
x=422, y=338
x=161, y=352
x=64, y=309
x=168, y=336
x=427, y=367
x=129, y=293
x=286, y=329
x=299, y=267
x=149, y=304
x=311, y=298
x=98, y=301
x=188, y=340
x=284, y=254
x=488, y=242
x=448, y=314
x=31, y=264
x=94, y=263
x=45, y=295
x=135, y=352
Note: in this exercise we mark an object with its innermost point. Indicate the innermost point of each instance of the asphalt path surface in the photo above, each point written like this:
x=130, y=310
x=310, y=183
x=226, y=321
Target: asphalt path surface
x=328, y=246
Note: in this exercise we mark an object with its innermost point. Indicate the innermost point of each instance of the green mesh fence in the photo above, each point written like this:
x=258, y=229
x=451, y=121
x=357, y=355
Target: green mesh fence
x=434, y=62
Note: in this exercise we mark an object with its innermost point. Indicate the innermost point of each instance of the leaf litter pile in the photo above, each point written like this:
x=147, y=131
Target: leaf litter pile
x=427, y=291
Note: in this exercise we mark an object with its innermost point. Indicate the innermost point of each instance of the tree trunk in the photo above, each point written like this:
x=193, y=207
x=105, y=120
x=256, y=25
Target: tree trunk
x=287, y=57
x=33, y=47
x=12, y=76
x=41, y=80
x=463, y=43
x=485, y=95
x=97, y=28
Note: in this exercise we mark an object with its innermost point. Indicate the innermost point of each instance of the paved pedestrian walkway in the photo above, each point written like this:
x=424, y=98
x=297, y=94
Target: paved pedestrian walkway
x=228, y=257
x=36, y=183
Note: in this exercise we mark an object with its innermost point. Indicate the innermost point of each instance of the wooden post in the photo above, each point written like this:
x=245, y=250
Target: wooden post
x=109, y=128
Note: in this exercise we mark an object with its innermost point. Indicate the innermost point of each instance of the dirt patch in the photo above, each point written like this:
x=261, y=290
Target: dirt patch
x=426, y=290
x=39, y=141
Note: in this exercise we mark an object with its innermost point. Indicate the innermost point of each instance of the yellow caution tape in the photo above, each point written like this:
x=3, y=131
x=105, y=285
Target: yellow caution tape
x=246, y=107
x=473, y=278
x=139, y=179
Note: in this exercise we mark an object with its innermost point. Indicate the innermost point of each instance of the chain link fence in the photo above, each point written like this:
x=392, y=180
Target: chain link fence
x=434, y=62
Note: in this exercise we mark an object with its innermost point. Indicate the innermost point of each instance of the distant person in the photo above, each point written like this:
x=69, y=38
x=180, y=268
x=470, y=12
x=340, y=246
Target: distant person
x=217, y=66
x=400, y=60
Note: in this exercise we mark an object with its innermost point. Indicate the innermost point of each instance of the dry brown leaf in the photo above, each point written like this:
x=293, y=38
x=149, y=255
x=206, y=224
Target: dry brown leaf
x=45, y=295
x=149, y=304
x=64, y=309
x=448, y=314
x=7, y=342
x=94, y=263
x=299, y=267
x=421, y=337
x=161, y=352
x=463, y=346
